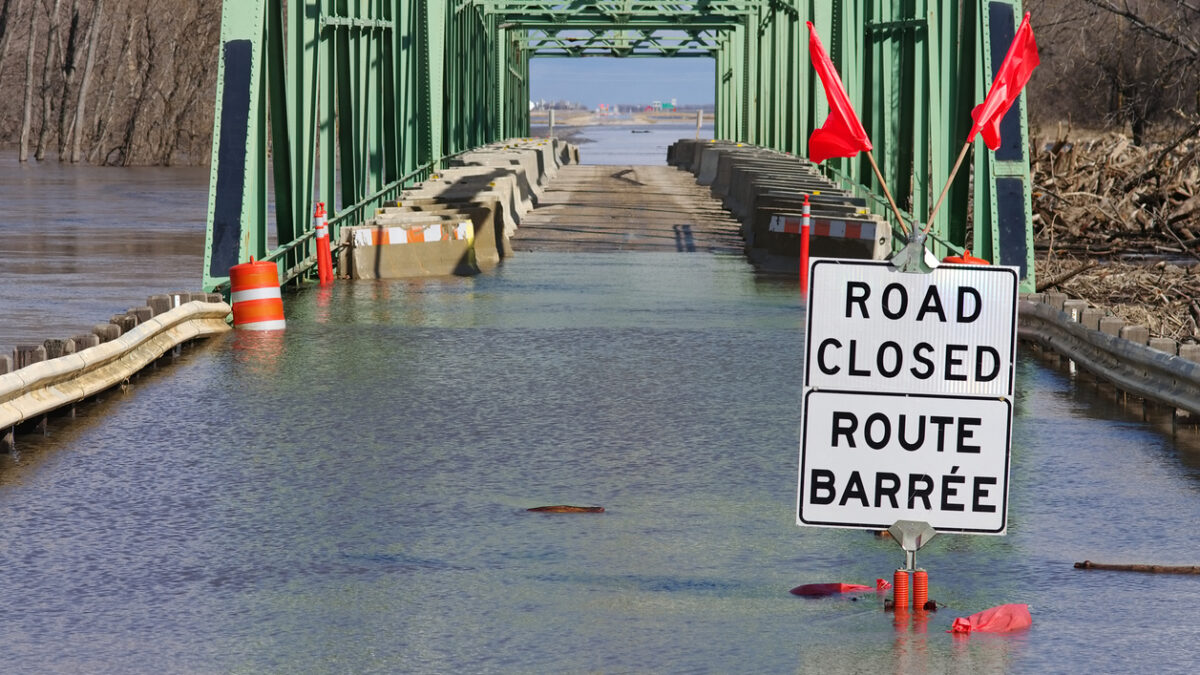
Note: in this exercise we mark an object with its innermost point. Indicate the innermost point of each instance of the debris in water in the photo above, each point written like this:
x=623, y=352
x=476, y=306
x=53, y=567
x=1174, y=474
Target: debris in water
x=563, y=508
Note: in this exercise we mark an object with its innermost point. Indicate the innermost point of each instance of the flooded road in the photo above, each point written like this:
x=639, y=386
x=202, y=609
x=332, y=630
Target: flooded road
x=350, y=496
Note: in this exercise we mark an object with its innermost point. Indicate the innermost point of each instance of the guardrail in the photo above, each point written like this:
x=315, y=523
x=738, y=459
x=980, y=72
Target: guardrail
x=1108, y=349
x=42, y=387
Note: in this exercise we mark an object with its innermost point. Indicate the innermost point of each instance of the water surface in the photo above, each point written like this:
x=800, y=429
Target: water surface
x=350, y=495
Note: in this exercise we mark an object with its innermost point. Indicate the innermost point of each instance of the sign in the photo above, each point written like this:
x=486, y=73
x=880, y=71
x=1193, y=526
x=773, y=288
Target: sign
x=907, y=402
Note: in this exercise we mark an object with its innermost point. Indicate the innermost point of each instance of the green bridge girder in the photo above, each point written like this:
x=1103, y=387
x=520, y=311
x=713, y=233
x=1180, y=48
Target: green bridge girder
x=350, y=101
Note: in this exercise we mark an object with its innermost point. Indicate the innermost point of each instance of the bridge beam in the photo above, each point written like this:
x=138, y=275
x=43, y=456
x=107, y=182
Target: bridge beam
x=397, y=86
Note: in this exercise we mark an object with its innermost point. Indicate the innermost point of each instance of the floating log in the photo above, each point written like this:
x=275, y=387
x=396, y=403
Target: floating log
x=1155, y=569
x=563, y=508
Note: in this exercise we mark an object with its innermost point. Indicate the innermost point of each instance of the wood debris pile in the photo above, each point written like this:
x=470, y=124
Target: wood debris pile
x=1108, y=196
x=1162, y=296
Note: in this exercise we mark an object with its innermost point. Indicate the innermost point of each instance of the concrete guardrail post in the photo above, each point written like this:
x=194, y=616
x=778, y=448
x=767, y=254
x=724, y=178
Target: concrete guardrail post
x=1055, y=300
x=1164, y=345
x=124, y=322
x=56, y=348
x=1136, y=334
x=107, y=332
x=1111, y=325
x=1074, y=309
x=143, y=313
x=159, y=304
x=1190, y=352
x=27, y=355
x=86, y=340
x=1090, y=318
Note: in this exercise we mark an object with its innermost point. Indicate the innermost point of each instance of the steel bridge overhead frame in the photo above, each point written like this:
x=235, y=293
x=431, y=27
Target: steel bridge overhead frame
x=359, y=98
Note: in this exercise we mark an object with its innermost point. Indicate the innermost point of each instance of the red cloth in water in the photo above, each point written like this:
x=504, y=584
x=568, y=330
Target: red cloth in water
x=882, y=584
x=995, y=620
x=822, y=590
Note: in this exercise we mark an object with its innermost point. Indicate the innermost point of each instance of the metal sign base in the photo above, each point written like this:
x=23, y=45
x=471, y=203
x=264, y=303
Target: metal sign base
x=911, y=535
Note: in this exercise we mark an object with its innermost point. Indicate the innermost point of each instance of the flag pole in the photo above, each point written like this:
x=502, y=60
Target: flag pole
x=887, y=192
x=946, y=187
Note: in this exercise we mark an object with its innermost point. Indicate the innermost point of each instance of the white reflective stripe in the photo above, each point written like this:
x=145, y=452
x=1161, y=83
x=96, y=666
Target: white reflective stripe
x=433, y=233
x=363, y=238
x=322, y=231
x=464, y=231
x=265, y=293
x=837, y=228
x=274, y=324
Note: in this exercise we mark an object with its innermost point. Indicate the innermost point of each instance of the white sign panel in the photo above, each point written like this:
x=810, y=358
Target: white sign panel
x=873, y=328
x=907, y=404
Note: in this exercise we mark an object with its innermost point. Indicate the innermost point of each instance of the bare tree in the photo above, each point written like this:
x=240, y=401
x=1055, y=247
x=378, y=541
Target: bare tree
x=70, y=57
x=7, y=13
x=1105, y=62
x=81, y=101
x=26, y=119
x=47, y=84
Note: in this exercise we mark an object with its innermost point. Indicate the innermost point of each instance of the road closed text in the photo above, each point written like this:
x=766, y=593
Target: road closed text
x=872, y=459
x=948, y=332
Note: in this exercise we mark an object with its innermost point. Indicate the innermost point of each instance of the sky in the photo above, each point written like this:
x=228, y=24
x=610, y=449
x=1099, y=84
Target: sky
x=595, y=80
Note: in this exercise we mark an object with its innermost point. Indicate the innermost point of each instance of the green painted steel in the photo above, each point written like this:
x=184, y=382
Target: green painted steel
x=358, y=98
x=397, y=86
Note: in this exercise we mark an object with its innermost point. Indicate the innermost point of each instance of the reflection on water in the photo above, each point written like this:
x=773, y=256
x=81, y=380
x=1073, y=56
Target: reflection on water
x=349, y=496
x=633, y=144
x=82, y=243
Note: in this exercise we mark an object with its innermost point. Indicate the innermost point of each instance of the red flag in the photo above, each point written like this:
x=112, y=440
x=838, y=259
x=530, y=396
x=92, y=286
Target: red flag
x=1014, y=72
x=826, y=590
x=995, y=620
x=842, y=135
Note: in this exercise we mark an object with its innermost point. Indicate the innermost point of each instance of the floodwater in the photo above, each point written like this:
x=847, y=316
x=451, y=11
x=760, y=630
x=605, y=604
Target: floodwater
x=81, y=243
x=349, y=496
x=637, y=144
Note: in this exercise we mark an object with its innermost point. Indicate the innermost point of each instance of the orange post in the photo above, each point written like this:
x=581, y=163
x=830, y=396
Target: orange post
x=900, y=590
x=324, y=257
x=920, y=589
x=805, y=225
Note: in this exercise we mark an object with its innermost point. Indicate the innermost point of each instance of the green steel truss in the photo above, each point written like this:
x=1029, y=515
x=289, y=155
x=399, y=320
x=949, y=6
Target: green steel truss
x=357, y=99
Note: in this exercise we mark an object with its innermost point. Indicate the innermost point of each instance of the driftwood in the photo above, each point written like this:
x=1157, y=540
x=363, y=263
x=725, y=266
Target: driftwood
x=564, y=508
x=1107, y=193
x=1067, y=276
x=1118, y=225
x=1155, y=569
x=1155, y=294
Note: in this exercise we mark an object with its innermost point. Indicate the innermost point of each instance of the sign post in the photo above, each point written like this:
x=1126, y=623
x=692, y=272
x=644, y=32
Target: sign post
x=907, y=399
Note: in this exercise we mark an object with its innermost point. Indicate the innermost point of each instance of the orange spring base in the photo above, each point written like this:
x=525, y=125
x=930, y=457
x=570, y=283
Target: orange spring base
x=900, y=590
x=920, y=589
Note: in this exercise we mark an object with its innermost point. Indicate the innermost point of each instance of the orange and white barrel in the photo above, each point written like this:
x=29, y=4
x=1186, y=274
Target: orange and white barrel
x=257, y=303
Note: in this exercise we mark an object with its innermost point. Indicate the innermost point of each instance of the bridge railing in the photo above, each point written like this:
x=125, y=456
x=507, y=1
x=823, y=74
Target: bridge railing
x=345, y=103
x=354, y=99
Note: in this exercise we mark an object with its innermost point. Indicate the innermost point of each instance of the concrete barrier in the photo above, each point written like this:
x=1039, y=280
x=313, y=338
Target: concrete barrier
x=760, y=186
x=538, y=164
x=47, y=385
x=460, y=220
x=423, y=245
x=493, y=226
x=463, y=189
